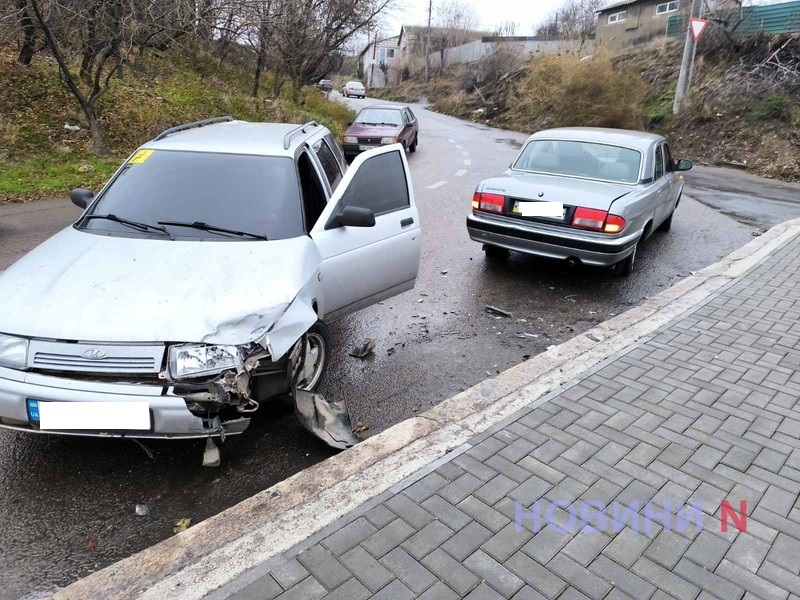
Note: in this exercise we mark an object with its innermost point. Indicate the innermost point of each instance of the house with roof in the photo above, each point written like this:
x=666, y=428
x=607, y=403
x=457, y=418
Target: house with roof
x=624, y=23
x=379, y=61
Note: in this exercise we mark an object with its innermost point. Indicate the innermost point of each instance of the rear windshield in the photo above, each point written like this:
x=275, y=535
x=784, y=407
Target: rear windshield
x=256, y=194
x=379, y=116
x=582, y=159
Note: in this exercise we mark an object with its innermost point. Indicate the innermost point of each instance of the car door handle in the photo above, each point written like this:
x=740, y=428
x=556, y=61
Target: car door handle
x=407, y=222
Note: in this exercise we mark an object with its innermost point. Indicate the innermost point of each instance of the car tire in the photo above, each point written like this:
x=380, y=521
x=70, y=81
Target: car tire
x=626, y=267
x=319, y=338
x=413, y=147
x=495, y=253
x=666, y=225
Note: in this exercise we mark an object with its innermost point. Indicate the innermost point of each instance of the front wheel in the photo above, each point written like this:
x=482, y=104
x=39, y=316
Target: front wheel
x=316, y=358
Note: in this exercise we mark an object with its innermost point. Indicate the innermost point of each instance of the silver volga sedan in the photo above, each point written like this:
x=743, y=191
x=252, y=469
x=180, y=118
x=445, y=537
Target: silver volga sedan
x=582, y=195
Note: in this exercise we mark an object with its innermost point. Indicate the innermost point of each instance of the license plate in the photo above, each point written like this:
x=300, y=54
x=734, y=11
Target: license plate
x=365, y=147
x=542, y=210
x=102, y=416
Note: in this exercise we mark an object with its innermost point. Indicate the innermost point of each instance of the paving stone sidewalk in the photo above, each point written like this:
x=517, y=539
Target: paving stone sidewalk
x=705, y=410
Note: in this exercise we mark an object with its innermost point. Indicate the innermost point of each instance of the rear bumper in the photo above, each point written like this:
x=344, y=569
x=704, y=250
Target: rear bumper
x=170, y=417
x=545, y=242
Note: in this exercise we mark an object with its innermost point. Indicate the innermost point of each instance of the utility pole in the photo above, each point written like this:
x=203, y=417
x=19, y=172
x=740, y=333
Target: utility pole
x=428, y=41
x=687, y=64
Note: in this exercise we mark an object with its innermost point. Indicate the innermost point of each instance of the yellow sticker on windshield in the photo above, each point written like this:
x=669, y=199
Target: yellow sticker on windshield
x=140, y=157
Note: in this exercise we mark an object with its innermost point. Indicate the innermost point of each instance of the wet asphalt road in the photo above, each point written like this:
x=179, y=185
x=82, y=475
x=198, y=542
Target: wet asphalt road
x=69, y=504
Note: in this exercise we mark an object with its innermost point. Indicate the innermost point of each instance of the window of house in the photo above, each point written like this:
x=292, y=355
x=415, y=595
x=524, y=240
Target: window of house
x=617, y=17
x=386, y=54
x=667, y=7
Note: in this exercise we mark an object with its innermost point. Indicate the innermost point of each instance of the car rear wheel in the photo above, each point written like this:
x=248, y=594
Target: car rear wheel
x=413, y=147
x=667, y=224
x=495, y=252
x=625, y=267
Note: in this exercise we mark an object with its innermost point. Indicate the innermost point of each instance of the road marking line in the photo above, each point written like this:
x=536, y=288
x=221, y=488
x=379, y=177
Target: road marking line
x=459, y=147
x=451, y=140
x=465, y=153
x=437, y=185
x=467, y=163
x=461, y=173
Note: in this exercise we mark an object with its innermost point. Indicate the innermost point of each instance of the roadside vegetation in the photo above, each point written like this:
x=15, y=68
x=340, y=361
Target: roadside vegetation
x=744, y=109
x=39, y=157
x=86, y=81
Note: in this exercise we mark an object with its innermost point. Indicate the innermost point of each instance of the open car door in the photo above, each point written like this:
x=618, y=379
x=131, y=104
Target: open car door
x=369, y=234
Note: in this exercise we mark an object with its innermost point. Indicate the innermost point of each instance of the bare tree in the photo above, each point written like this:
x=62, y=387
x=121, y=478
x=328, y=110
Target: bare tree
x=455, y=21
x=575, y=20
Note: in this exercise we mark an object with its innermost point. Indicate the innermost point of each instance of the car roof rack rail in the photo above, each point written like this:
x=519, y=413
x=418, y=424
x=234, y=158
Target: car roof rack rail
x=287, y=141
x=192, y=125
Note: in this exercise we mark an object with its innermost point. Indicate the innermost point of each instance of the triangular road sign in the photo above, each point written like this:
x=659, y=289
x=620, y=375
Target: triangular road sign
x=697, y=27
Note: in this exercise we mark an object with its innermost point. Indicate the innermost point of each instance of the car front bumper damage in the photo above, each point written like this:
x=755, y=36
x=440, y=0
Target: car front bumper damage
x=214, y=407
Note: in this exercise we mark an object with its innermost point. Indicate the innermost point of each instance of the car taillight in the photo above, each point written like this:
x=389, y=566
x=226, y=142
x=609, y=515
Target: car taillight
x=614, y=224
x=493, y=203
x=597, y=220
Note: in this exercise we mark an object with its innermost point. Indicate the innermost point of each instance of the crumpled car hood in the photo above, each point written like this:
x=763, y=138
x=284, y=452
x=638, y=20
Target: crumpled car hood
x=82, y=286
x=553, y=188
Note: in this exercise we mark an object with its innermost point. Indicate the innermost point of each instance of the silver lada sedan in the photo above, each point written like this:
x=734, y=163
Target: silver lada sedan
x=582, y=195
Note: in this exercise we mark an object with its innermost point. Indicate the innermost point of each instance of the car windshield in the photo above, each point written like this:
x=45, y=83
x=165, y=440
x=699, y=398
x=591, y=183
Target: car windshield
x=582, y=159
x=379, y=116
x=254, y=194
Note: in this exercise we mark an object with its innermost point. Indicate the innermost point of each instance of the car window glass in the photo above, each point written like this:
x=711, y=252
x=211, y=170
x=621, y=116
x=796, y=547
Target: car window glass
x=314, y=200
x=379, y=116
x=258, y=194
x=379, y=185
x=668, y=159
x=329, y=163
x=580, y=159
x=659, y=170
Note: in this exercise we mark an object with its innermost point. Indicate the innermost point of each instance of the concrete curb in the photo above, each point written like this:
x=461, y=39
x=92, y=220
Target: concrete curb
x=213, y=553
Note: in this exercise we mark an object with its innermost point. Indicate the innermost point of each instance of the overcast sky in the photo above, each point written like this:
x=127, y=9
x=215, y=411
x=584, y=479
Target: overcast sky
x=490, y=13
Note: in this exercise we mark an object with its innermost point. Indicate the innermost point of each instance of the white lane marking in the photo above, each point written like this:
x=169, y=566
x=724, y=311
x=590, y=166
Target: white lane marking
x=437, y=185
x=459, y=147
x=465, y=153
x=467, y=163
x=452, y=141
x=461, y=173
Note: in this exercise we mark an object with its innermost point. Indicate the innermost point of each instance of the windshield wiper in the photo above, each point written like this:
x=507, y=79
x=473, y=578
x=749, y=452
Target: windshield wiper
x=131, y=224
x=213, y=228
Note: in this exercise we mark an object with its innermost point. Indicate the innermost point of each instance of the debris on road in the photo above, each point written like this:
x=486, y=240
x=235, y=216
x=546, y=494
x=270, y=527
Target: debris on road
x=211, y=455
x=493, y=310
x=390, y=351
x=142, y=510
x=360, y=428
x=364, y=350
x=593, y=337
x=182, y=525
x=91, y=545
x=444, y=272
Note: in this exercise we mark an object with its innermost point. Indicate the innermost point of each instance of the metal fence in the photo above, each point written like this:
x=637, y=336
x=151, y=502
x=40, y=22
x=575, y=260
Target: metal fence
x=773, y=19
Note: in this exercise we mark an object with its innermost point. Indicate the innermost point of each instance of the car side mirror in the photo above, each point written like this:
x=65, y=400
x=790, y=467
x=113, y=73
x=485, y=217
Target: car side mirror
x=81, y=197
x=683, y=165
x=355, y=216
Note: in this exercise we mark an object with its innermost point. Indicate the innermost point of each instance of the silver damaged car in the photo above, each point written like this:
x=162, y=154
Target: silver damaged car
x=581, y=195
x=197, y=283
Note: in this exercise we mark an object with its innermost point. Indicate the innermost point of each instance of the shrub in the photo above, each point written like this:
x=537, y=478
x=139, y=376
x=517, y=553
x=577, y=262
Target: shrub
x=563, y=91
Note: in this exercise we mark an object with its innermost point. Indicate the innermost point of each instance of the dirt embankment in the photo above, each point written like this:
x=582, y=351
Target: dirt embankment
x=744, y=108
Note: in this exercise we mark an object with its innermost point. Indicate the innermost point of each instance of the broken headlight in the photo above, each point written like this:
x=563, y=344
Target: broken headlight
x=13, y=352
x=190, y=360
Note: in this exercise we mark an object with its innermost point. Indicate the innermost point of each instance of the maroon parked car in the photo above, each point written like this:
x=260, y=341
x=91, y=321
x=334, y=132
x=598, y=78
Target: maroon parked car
x=381, y=125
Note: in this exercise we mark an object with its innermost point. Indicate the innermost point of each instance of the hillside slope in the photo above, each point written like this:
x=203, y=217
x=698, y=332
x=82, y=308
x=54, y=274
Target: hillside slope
x=744, y=108
x=39, y=157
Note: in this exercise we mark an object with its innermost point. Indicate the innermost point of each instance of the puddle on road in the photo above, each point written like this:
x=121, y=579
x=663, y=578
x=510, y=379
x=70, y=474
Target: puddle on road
x=510, y=141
